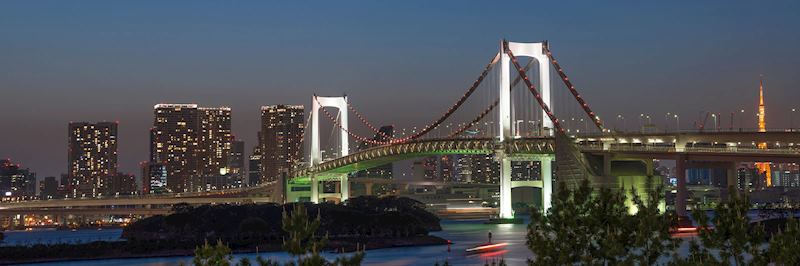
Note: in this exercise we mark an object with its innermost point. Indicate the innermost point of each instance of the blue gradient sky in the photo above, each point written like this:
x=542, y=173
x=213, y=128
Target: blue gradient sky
x=64, y=61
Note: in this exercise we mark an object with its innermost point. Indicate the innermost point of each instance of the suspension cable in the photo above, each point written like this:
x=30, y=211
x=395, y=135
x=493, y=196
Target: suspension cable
x=490, y=107
x=572, y=89
x=455, y=106
x=339, y=125
x=532, y=88
x=366, y=122
x=476, y=120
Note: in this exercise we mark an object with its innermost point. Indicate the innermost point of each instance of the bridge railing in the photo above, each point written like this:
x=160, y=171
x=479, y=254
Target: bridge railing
x=656, y=148
x=684, y=131
x=221, y=192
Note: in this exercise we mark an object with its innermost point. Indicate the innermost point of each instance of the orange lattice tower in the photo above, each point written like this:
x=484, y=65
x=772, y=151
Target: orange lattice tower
x=762, y=127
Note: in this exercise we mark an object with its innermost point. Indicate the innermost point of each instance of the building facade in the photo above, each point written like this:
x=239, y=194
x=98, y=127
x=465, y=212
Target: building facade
x=120, y=184
x=49, y=188
x=92, y=156
x=16, y=183
x=282, y=128
x=215, y=140
x=176, y=143
x=254, y=166
x=154, y=178
x=192, y=142
x=236, y=164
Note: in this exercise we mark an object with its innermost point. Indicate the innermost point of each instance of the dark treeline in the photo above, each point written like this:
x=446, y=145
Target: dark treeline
x=369, y=221
x=362, y=217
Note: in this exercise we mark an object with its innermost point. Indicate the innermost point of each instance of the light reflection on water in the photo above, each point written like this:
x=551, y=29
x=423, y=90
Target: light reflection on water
x=463, y=234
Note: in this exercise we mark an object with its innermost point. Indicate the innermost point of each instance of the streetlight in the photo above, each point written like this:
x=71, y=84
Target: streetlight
x=677, y=123
x=741, y=116
x=791, y=125
x=516, y=126
x=716, y=127
x=620, y=117
x=641, y=122
x=666, y=126
x=585, y=126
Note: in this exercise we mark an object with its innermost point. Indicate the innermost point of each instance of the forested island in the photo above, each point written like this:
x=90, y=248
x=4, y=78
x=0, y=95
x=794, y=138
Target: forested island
x=368, y=222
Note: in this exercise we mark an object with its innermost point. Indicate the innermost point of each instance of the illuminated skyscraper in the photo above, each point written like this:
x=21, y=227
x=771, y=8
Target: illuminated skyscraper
x=16, y=183
x=192, y=143
x=215, y=140
x=282, y=129
x=92, y=157
x=154, y=178
x=176, y=143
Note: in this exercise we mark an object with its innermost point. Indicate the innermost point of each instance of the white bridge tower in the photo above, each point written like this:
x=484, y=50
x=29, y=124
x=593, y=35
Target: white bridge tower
x=315, y=156
x=536, y=51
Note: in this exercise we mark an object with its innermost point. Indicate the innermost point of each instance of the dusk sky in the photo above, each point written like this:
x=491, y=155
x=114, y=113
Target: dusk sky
x=400, y=62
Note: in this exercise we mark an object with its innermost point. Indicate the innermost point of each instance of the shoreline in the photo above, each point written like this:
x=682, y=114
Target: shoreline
x=335, y=246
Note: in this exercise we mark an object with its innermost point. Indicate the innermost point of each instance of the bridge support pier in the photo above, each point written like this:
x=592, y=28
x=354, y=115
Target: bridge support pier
x=314, y=189
x=547, y=183
x=368, y=189
x=682, y=195
x=506, y=211
x=732, y=184
x=344, y=187
x=546, y=169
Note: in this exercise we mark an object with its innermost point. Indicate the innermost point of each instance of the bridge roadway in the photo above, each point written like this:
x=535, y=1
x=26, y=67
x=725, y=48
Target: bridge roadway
x=783, y=146
x=87, y=211
x=92, y=202
x=380, y=155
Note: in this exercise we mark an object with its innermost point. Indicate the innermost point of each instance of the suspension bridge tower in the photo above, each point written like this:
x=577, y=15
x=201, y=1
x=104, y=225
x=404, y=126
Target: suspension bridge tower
x=315, y=155
x=507, y=131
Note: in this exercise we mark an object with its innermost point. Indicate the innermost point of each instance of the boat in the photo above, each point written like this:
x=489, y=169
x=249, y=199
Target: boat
x=486, y=247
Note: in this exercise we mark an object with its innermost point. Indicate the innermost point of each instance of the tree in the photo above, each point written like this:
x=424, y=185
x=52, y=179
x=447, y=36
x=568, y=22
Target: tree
x=783, y=247
x=652, y=239
x=728, y=238
x=594, y=227
x=207, y=255
x=253, y=225
x=304, y=245
x=569, y=233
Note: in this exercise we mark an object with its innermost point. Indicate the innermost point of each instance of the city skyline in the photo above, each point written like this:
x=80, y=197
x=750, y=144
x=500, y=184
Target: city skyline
x=212, y=74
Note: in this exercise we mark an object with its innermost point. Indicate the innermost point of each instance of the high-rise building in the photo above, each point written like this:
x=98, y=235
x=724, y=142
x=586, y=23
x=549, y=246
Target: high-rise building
x=49, y=188
x=16, y=183
x=154, y=178
x=236, y=165
x=92, y=156
x=282, y=129
x=254, y=166
x=215, y=140
x=120, y=184
x=192, y=143
x=176, y=143
x=484, y=169
x=525, y=170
